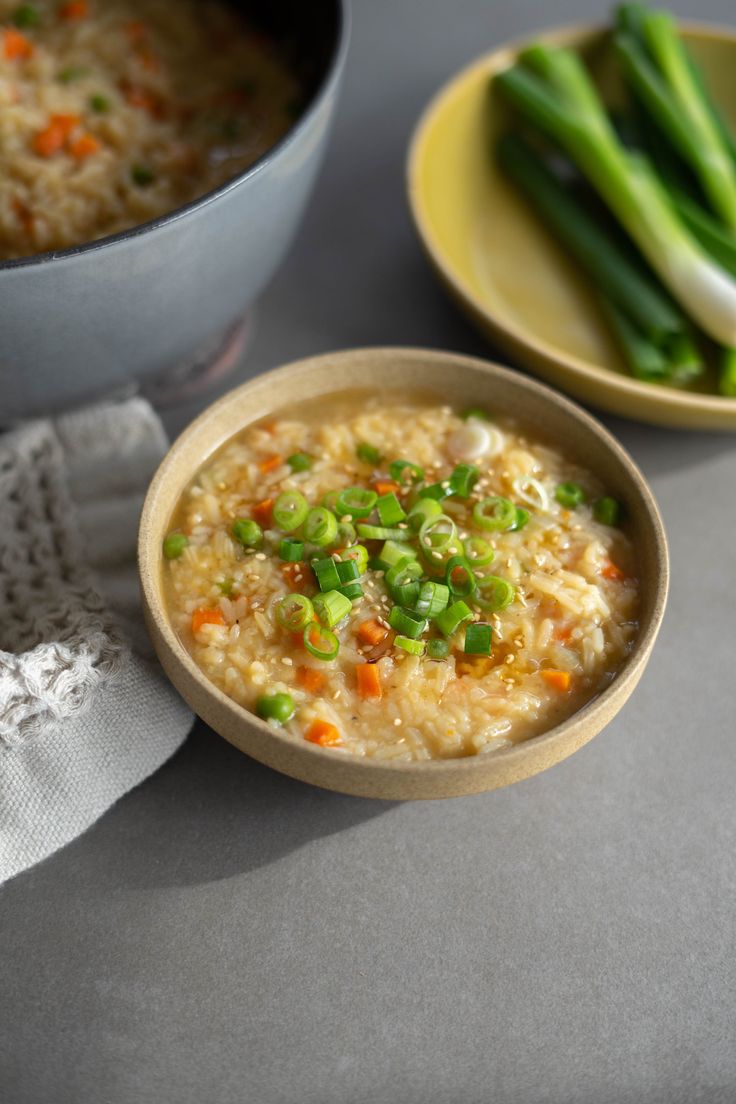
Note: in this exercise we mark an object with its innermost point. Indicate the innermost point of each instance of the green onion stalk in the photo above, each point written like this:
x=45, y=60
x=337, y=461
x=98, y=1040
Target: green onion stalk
x=550, y=86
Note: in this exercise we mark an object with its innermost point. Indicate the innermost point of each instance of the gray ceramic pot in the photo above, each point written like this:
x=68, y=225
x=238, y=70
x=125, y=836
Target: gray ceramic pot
x=161, y=298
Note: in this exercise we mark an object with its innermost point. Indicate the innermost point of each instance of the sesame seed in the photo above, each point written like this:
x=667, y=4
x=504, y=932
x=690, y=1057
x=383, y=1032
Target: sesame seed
x=287, y=661
x=397, y=722
x=260, y=556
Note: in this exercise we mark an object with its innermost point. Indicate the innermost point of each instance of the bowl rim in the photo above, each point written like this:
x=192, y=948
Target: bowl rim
x=149, y=563
x=327, y=82
x=666, y=398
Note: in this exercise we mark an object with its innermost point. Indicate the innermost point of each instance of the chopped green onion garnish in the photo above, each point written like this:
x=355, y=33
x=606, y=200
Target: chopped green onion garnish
x=72, y=73
x=522, y=517
x=290, y=511
x=320, y=526
x=355, y=502
x=331, y=607
x=570, y=495
x=347, y=570
x=368, y=453
x=404, y=472
x=459, y=577
x=390, y=510
x=394, y=553
x=294, y=612
x=328, y=577
x=402, y=582
x=275, y=707
x=330, y=500
x=474, y=412
x=493, y=593
x=478, y=639
x=359, y=554
x=345, y=532
x=174, y=545
x=438, y=649
x=142, y=175
x=291, y=550
x=479, y=551
x=320, y=642
x=26, y=16
x=413, y=647
x=406, y=622
x=99, y=103
x=422, y=511
x=494, y=513
x=352, y=591
x=463, y=479
x=299, y=461
x=436, y=491
x=380, y=532
x=606, y=510
x=226, y=587
x=438, y=534
x=451, y=618
x=247, y=532
x=432, y=599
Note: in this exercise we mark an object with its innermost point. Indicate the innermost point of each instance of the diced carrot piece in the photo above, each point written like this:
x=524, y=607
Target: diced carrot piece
x=562, y=633
x=15, y=45
x=383, y=487
x=139, y=97
x=268, y=427
x=261, y=512
x=372, y=632
x=84, y=146
x=611, y=571
x=322, y=733
x=23, y=214
x=369, y=680
x=49, y=141
x=202, y=617
x=149, y=60
x=293, y=575
x=65, y=123
x=136, y=31
x=558, y=680
x=270, y=463
x=75, y=9
x=310, y=679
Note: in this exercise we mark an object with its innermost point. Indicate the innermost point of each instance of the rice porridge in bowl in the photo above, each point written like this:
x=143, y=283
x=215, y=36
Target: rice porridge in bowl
x=395, y=579
x=114, y=112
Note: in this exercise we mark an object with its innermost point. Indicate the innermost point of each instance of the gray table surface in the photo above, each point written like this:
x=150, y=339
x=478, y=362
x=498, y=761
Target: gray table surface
x=228, y=935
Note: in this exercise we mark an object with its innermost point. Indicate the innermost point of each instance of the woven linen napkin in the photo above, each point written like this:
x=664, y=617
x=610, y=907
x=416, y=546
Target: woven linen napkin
x=85, y=711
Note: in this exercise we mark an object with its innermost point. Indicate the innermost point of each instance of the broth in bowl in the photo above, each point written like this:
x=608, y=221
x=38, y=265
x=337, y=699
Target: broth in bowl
x=401, y=580
x=114, y=113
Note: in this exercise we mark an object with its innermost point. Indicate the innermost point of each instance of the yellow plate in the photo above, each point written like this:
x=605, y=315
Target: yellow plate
x=503, y=266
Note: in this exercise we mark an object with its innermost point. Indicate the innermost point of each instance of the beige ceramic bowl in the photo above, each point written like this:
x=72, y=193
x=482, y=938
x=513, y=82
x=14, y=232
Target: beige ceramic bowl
x=462, y=381
x=503, y=266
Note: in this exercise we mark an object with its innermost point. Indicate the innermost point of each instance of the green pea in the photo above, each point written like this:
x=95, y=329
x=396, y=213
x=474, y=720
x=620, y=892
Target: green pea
x=174, y=545
x=99, y=103
x=247, y=532
x=275, y=707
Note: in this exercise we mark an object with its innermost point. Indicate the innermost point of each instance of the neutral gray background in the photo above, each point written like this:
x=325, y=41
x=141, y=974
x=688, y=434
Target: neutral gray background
x=228, y=935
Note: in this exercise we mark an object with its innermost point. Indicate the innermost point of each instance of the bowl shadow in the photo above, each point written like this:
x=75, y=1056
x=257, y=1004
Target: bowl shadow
x=209, y=814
